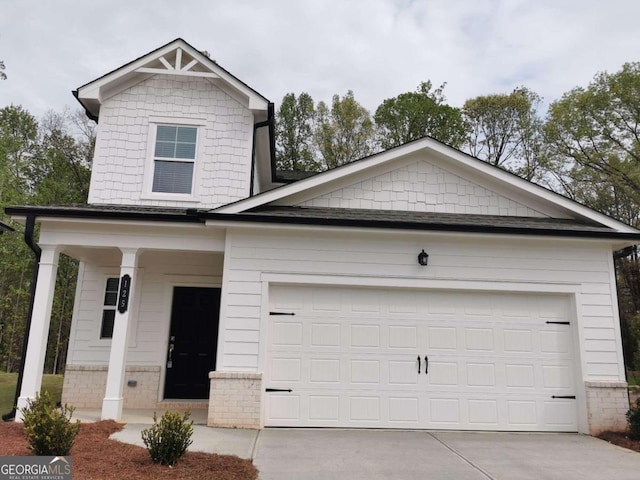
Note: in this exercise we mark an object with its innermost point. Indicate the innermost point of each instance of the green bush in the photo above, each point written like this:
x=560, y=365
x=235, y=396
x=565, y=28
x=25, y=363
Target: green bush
x=48, y=429
x=633, y=419
x=168, y=439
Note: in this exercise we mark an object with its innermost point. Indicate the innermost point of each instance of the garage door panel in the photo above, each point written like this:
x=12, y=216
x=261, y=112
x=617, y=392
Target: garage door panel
x=442, y=338
x=403, y=336
x=443, y=373
x=520, y=340
x=494, y=362
x=365, y=336
x=324, y=408
x=325, y=335
x=403, y=372
x=479, y=339
x=481, y=375
x=404, y=409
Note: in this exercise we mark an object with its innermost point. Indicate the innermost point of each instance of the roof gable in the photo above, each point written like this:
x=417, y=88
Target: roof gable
x=175, y=58
x=421, y=186
x=493, y=179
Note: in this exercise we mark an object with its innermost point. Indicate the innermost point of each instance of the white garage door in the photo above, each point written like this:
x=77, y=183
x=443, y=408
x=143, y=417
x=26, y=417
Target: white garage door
x=415, y=359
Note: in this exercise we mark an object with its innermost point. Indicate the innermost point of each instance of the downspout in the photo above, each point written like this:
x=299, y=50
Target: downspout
x=269, y=122
x=28, y=239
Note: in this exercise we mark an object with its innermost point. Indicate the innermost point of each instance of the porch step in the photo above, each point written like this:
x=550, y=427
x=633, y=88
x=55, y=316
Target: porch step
x=183, y=404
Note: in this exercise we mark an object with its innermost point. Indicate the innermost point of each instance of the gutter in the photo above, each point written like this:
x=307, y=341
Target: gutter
x=86, y=110
x=269, y=122
x=212, y=216
x=35, y=248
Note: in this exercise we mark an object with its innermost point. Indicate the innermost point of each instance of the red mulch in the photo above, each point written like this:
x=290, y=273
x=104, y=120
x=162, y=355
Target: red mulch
x=95, y=457
x=621, y=439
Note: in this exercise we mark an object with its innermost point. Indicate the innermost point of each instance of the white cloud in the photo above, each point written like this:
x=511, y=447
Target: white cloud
x=377, y=48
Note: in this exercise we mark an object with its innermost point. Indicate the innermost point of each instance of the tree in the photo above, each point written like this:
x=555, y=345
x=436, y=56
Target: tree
x=413, y=115
x=504, y=128
x=18, y=148
x=594, y=133
x=3, y=76
x=294, y=134
x=598, y=127
x=344, y=132
x=42, y=163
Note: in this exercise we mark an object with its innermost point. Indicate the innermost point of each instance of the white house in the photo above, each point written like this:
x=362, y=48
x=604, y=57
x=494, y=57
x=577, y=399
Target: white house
x=206, y=278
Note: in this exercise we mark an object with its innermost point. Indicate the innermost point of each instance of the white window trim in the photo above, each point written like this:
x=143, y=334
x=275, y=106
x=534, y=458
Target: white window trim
x=148, y=193
x=107, y=307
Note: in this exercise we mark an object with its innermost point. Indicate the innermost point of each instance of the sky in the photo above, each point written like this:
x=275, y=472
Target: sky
x=377, y=48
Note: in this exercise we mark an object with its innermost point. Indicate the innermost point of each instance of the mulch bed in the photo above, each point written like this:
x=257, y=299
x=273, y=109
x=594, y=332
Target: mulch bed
x=95, y=457
x=621, y=439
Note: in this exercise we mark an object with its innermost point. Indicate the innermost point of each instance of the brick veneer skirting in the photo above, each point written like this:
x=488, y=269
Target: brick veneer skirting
x=84, y=386
x=607, y=405
x=234, y=400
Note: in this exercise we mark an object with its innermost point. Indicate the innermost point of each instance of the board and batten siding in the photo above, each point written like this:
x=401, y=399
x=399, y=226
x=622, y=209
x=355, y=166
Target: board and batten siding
x=580, y=269
x=422, y=187
x=158, y=272
x=122, y=145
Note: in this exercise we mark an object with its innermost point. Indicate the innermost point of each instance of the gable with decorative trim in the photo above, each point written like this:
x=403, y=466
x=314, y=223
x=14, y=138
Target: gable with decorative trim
x=422, y=187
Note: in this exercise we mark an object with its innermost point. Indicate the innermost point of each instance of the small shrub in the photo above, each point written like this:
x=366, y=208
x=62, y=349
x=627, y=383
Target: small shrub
x=168, y=439
x=633, y=419
x=48, y=429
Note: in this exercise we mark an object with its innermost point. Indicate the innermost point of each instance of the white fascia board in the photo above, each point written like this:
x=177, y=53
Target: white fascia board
x=95, y=90
x=92, y=89
x=515, y=183
x=231, y=226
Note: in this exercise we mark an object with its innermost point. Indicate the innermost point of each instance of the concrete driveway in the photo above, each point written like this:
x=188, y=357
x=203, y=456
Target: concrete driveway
x=287, y=454
x=327, y=454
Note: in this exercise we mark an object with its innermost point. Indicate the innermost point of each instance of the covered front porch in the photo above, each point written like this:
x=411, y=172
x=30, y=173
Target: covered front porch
x=128, y=347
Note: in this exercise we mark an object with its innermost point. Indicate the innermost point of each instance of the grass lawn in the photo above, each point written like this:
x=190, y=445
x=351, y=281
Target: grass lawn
x=52, y=383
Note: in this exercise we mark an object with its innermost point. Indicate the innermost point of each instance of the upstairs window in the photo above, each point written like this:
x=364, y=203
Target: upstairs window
x=174, y=158
x=109, y=307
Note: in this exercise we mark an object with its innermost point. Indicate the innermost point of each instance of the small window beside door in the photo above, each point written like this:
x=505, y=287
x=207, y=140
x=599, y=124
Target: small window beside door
x=109, y=307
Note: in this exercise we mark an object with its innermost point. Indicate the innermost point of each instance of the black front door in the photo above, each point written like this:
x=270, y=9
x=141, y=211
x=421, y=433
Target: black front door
x=193, y=342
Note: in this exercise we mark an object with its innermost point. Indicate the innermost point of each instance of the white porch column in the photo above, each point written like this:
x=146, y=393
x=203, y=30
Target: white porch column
x=113, y=399
x=39, y=332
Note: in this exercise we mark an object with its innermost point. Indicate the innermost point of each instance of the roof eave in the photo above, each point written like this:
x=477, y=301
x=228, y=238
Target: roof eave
x=90, y=95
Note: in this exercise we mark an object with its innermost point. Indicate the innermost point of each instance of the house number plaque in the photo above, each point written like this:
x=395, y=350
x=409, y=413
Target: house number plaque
x=123, y=296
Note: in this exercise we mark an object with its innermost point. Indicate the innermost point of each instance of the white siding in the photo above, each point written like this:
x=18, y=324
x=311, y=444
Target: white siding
x=422, y=187
x=158, y=273
x=223, y=170
x=580, y=268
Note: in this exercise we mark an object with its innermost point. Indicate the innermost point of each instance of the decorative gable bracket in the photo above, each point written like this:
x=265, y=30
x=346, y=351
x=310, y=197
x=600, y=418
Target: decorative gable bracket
x=174, y=58
x=177, y=66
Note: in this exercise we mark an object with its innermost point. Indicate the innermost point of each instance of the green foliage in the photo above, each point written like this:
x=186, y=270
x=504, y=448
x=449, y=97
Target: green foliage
x=413, y=115
x=594, y=131
x=294, y=134
x=344, y=132
x=46, y=162
x=48, y=429
x=504, y=127
x=168, y=439
x=3, y=76
x=633, y=420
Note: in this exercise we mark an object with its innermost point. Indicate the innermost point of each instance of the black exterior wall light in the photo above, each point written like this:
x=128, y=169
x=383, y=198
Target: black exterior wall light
x=423, y=258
